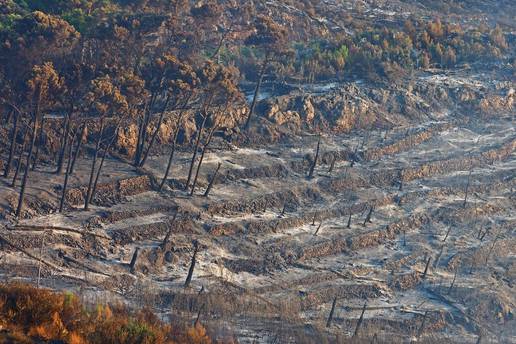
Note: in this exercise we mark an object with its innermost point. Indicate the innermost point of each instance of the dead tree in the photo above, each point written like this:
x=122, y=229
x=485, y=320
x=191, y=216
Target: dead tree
x=368, y=217
x=39, y=143
x=426, y=267
x=400, y=177
x=102, y=159
x=284, y=209
x=201, y=159
x=20, y=158
x=212, y=181
x=467, y=189
x=78, y=148
x=174, y=140
x=201, y=309
x=447, y=234
x=195, y=151
x=332, y=311
x=67, y=175
x=12, y=146
x=313, y=219
x=34, y=134
x=422, y=327
x=438, y=258
x=132, y=265
x=169, y=233
x=314, y=163
x=64, y=142
x=349, y=221
x=87, y=200
x=155, y=133
x=192, y=264
x=317, y=230
x=453, y=281
x=360, y=320
x=332, y=164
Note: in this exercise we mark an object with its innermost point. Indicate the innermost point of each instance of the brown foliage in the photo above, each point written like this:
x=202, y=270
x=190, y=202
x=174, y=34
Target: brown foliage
x=28, y=314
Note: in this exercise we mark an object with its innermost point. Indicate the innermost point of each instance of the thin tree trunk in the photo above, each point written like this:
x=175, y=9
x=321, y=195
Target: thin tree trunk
x=12, y=147
x=102, y=159
x=349, y=221
x=422, y=328
x=360, y=320
x=212, y=181
x=142, y=137
x=93, y=165
x=155, y=133
x=467, y=189
x=35, y=128
x=67, y=174
x=196, y=149
x=192, y=264
x=257, y=91
x=132, y=265
x=176, y=134
x=427, y=267
x=62, y=152
x=332, y=311
x=78, y=149
x=39, y=143
x=169, y=233
x=314, y=164
x=208, y=140
x=20, y=158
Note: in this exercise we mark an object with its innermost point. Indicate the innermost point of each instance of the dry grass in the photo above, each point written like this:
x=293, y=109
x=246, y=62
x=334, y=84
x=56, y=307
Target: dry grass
x=28, y=315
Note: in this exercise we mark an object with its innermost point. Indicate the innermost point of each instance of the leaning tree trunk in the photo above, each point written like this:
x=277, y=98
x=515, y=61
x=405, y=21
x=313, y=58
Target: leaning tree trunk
x=155, y=133
x=104, y=154
x=38, y=144
x=257, y=91
x=208, y=140
x=142, y=131
x=314, y=164
x=35, y=128
x=67, y=175
x=78, y=149
x=20, y=158
x=192, y=264
x=196, y=149
x=12, y=146
x=93, y=165
x=64, y=143
x=174, y=142
x=212, y=181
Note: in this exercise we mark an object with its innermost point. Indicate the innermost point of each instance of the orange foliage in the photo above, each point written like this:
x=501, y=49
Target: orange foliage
x=30, y=314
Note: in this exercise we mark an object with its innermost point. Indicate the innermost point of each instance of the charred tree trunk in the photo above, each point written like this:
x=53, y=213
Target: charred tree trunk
x=12, y=146
x=169, y=233
x=257, y=91
x=332, y=311
x=102, y=159
x=20, y=158
x=447, y=234
x=87, y=200
x=360, y=320
x=332, y=165
x=174, y=142
x=318, y=228
x=453, y=281
x=427, y=266
x=64, y=144
x=192, y=264
x=314, y=164
x=35, y=127
x=78, y=148
x=196, y=149
x=39, y=143
x=368, y=217
x=132, y=265
x=349, y=221
x=422, y=328
x=67, y=175
x=142, y=130
x=155, y=133
x=212, y=181
x=467, y=189
x=208, y=141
